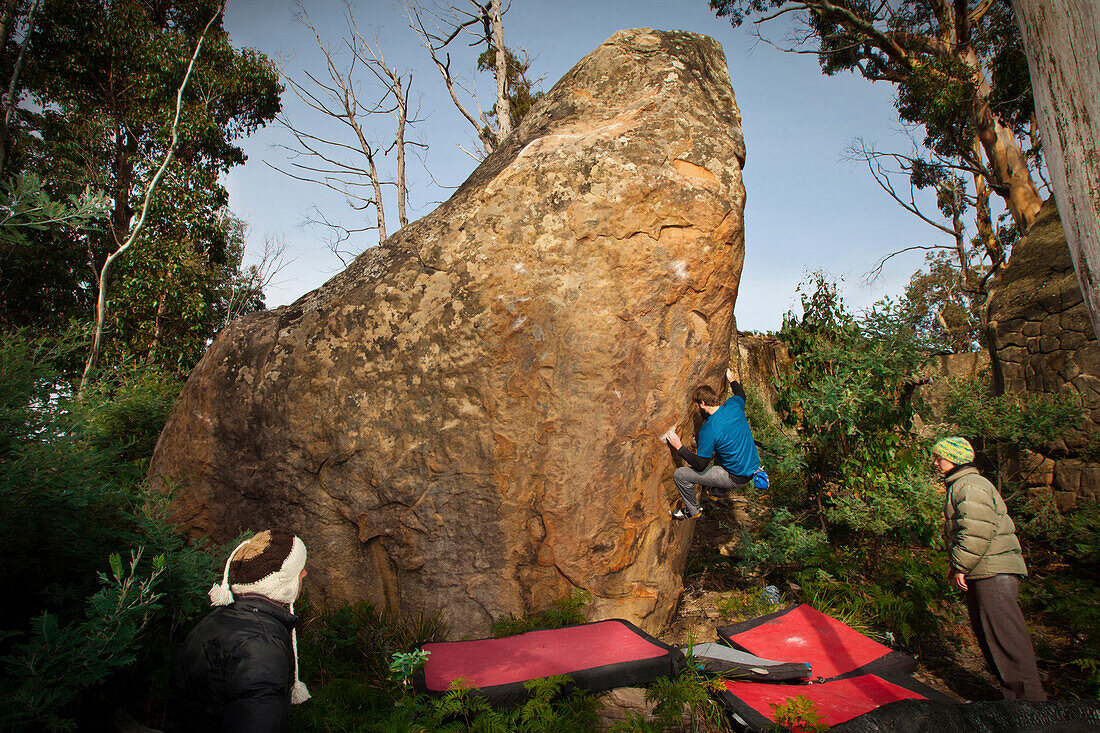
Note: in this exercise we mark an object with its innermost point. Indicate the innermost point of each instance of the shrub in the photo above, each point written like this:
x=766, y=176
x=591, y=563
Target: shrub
x=798, y=715
x=1020, y=421
x=564, y=612
x=1000, y=426
x=72, y=487
x=684, y=702
x=59, y=662
x=847, y=395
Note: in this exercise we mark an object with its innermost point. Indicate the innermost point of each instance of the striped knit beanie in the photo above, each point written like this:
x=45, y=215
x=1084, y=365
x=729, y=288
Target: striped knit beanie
x=268, y=564
x=956, y=450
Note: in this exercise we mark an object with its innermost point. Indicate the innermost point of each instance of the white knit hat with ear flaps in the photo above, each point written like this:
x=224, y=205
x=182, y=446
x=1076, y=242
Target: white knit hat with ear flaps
x=268, y=564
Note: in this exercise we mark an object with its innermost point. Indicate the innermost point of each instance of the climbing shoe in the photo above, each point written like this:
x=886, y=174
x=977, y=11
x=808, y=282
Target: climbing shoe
x=681, y=514
x=719, y=498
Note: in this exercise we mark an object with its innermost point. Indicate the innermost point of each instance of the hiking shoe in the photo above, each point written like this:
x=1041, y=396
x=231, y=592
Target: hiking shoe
x=681, y=514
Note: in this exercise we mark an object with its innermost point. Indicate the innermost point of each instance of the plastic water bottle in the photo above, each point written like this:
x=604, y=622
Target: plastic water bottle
x=771, y=595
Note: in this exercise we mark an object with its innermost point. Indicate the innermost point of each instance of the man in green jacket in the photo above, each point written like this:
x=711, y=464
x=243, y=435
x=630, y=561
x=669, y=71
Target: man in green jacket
x=986, y=563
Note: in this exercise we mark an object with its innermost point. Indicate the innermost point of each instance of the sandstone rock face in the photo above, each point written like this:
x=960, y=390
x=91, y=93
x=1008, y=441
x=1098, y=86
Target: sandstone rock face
x=1046, y=345
x=942, y=369
x=756, y=360
x=468, y=417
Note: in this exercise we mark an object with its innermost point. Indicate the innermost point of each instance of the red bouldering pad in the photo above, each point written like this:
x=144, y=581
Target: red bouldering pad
x=837, y=701
x=597, y=656
x=804, y=634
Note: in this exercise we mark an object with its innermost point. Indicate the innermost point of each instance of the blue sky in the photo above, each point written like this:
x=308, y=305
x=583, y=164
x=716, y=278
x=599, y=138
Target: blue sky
x=807, y=207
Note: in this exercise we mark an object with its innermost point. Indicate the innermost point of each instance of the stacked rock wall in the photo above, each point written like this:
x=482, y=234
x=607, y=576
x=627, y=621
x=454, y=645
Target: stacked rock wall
x=1045, y=345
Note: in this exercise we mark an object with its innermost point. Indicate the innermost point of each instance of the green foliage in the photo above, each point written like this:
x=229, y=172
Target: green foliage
x=25, y=206
x=520, y=96
x=358, y=665
x=124, y=410
x=551, y=707
x=904, y=505
x=404, y=664
x=798, y=715
x=565, y=612
x=1073, y=536
x=739, y=605
x=72, y=484
x=853, y=512
x=940, y=94
x=889, y=592
x=670, y=696
x=780, y=451
x=1020, y=421
x=1092, y=668
x=945, y=314
x=999, y=40
x=847, y=393
x=97, y=68
x=46, y=674
x=683, y=702
x=959, y=91
x=52, y=485
x=784, y=544
x=359, y=640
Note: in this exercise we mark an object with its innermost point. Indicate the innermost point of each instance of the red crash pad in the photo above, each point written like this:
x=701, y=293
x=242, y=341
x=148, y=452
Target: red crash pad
x=837, y=701
x=597, y=656
x=804, y=634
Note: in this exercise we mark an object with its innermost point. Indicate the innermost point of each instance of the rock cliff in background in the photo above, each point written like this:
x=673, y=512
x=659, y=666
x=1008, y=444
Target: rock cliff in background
x=756, y=360
x=1045, y=344
x=468, y=417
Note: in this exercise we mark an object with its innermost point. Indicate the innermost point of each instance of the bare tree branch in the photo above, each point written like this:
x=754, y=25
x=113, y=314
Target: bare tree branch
x=339, y=98
x=487, y=19
x=876, y=272
x=257, y=277
x=416, y=22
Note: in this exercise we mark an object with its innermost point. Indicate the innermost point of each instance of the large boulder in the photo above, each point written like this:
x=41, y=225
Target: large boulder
x=468, y=417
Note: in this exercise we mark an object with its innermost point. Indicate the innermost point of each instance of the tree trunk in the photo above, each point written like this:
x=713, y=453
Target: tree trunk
x=377, y=186
x=402, y=120
x=1063, y=53
x=12, y=97
x=158, y=323
x=504, y=104
x=1005, y=157
x=983, y=218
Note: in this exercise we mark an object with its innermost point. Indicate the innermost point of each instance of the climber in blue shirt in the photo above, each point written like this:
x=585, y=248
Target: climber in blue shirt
x=725, y=440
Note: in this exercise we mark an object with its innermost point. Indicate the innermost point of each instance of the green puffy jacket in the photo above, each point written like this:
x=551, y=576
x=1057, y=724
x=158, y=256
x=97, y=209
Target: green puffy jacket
x=979, y=535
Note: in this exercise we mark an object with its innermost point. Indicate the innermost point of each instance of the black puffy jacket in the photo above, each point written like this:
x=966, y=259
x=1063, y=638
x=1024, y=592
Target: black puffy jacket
x=235, y=670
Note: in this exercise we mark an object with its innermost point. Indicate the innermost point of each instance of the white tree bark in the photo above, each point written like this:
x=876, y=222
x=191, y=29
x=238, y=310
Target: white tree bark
x=504, y=105
x=1062, y=40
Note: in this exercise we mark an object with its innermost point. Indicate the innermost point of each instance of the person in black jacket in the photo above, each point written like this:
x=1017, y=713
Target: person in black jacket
x=238, y=668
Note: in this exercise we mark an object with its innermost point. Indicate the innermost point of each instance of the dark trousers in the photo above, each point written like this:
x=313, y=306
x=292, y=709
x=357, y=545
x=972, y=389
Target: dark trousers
x=1002, y=634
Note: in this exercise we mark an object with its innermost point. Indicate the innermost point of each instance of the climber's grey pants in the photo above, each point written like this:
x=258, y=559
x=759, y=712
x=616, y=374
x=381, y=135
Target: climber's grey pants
x=686, y=478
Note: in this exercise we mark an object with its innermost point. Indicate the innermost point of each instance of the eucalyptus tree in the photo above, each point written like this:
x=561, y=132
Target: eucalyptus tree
x=958, y=67
x=103, y=78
